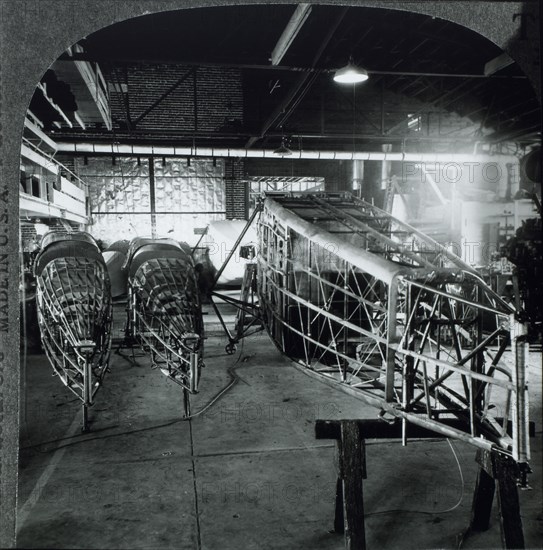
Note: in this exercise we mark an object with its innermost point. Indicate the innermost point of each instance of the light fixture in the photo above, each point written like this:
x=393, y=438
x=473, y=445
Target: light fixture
x=282, y=150
x=350, y=74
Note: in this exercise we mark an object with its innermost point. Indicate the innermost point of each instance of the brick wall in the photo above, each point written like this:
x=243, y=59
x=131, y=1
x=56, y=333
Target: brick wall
x=218, y=90
x=28, y=232
x=235, y=189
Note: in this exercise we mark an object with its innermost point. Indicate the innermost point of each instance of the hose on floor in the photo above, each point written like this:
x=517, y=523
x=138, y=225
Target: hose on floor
x=436, y=512
x=234, y=379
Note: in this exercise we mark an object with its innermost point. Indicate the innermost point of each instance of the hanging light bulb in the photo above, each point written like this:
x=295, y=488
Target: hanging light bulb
x=282, y=150
x=351, y=74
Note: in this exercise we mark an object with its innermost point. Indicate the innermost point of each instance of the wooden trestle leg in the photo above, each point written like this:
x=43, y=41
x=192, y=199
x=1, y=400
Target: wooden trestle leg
x=498, y=474
x=496, y=471
x=350, y=495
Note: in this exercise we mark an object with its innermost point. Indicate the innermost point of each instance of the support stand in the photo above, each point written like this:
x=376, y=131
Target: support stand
x=349, y=509
x=85, y=419
x=186, y=403
x=248, y=320
x=501, y=472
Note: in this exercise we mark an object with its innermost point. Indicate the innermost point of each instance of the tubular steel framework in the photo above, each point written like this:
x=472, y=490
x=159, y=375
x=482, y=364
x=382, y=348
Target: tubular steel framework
x=164, y=311
x=367, y=301
x=74, y=312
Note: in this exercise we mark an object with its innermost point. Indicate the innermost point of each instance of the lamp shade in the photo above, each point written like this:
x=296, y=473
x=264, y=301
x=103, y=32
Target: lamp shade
x=350, y=74
x=282, y=150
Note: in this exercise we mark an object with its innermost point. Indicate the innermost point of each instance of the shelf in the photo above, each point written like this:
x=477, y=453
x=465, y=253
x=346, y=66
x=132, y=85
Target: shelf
x=30, y=206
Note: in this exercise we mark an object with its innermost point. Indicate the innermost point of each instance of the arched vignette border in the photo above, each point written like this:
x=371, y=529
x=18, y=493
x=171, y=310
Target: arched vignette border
x=33, y=33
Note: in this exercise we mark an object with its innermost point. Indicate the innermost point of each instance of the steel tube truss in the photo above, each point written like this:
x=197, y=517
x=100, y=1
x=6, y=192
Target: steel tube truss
x=164, y=311
x=248, y=320
x=367, y=301
x=74, y=312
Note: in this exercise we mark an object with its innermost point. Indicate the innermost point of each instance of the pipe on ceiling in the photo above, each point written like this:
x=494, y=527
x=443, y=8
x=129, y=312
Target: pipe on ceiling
x=223, y=152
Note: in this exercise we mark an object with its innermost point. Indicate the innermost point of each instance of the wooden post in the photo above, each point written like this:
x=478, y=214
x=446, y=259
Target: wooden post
x=339, y=516
x=505, y=474
x=498, y=471
x=482, y=501
x=352, y=460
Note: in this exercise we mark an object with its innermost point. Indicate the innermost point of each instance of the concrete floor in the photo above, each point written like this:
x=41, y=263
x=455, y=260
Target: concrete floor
x=248, y=473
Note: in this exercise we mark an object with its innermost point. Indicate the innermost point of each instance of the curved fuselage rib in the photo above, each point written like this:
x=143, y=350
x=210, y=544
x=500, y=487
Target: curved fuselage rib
x=164, y=312
x=74, y=310
x=366, y=300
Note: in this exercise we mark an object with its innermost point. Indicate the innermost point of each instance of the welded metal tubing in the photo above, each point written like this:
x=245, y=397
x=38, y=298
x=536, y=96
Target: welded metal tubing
x=375, y=233
x=320, y=311
x=392, y=339
x=462, y=370
x=460, y=299
x=521, y=448
x=420, y=287
x=376, y=266
x=236, y=244
x=193, y=372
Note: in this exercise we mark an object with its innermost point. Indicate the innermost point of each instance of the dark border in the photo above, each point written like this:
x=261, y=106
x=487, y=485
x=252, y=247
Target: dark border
x=33, y=33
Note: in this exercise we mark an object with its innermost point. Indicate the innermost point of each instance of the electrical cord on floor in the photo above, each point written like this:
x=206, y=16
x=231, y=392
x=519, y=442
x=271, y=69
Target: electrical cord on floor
x=129, y=432
x=431, y=513
x=462, y=537
x=234, y=379
x=231, y=371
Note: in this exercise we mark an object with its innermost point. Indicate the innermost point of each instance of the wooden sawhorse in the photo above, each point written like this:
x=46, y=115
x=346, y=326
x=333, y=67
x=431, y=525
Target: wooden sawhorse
x=349, y=510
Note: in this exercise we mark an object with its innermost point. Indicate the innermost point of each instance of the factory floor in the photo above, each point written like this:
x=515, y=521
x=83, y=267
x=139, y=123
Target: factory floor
x=247, y=473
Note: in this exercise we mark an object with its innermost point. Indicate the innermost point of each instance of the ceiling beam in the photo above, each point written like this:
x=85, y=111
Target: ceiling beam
x=285, y=68
x=43, y=89
x=526, y=134
x=497, y=64
x=290, y=32
x=439, y=101
x=298, y=85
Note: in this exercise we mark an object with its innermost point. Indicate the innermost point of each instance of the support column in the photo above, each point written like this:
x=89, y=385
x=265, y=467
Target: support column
x=152, y=199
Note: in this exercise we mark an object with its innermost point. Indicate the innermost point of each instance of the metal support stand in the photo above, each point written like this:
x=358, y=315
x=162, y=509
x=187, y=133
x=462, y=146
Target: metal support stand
x=349, y=509
x=247, y=304
x=248, y=320
x=87, y=393
x=186, y=403
x=85, y=427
